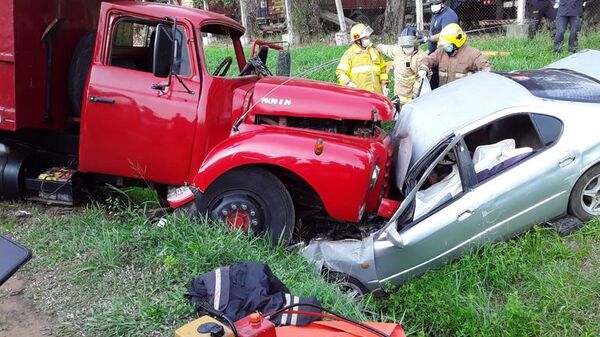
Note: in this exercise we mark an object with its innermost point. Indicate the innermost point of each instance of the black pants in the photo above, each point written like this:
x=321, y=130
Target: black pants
x=574, y=23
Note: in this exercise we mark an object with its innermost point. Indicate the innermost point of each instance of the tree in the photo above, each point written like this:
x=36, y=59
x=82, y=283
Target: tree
x=394, y=17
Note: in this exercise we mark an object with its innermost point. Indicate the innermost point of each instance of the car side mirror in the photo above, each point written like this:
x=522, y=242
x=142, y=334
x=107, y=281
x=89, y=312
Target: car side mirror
x=284, y=64
x=164, y=44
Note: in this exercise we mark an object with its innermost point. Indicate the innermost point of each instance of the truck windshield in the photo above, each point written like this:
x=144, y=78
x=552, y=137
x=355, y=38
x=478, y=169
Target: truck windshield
x=219, y=51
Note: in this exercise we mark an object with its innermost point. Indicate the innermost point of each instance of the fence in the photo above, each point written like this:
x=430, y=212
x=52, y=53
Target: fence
x=473, y=14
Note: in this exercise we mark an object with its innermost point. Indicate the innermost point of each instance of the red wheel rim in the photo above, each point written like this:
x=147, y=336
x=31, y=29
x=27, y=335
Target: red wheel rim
x=239, y=220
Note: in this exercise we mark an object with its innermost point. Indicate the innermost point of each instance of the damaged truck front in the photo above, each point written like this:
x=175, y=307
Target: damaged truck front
x=141, y=101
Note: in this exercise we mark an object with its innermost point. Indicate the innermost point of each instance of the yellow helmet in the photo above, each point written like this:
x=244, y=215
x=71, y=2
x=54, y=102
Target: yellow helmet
x=452, y=34
x=360, y=31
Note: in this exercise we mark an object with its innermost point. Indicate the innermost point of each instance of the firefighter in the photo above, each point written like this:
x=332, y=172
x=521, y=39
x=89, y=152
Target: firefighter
x=362, y=66
x=406, y=56
x=454, y=58
x=442, y=15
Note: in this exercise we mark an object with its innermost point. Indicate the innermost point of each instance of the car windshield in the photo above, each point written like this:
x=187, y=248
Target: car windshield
x=558, y=84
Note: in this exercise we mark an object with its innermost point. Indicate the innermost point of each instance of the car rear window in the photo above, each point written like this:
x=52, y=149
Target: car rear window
x=558, y=84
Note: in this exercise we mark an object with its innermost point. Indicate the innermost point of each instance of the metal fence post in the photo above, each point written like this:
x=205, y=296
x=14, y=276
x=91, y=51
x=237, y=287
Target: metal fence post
x=291, y=36
x=419, y=12
x=245, y=40
x=520, y=12
x=341, y=37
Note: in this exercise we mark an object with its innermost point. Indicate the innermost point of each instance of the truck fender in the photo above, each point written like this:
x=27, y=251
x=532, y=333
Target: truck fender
x=339, y=175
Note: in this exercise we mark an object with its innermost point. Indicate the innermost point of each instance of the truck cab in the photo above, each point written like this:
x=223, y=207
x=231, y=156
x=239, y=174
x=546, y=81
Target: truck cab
x=139, y=101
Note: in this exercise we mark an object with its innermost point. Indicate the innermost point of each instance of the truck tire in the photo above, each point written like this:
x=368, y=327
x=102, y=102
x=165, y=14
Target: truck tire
x=251, y=199
x=78, y=71
x=584, y=202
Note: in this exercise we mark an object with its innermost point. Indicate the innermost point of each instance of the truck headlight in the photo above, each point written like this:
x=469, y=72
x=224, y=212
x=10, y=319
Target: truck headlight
x=374, y=176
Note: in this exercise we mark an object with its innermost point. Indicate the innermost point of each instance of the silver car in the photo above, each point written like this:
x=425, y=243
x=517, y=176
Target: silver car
x=480, y=160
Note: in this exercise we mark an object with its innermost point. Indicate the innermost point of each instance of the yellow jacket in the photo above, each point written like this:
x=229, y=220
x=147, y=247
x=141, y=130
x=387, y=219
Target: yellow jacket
x=406, y=68
x=364, y=67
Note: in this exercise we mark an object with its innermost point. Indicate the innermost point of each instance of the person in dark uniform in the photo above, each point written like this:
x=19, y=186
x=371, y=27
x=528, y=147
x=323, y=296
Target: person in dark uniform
x=540, y=11
x=442, y=16
x=569, y=13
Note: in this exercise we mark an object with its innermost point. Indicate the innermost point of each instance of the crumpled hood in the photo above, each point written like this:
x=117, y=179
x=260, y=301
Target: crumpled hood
x=282, y=96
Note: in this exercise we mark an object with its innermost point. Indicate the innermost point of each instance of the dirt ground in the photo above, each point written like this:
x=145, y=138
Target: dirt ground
x=18, y=316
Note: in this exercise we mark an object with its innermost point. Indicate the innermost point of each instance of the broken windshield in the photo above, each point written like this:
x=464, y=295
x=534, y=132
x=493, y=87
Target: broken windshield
x=558, y=84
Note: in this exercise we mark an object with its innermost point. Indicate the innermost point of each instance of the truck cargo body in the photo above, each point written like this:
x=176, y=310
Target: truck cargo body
x=23, y=59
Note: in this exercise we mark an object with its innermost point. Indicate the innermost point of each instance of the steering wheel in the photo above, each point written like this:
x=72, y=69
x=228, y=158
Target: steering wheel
x=255, y=64
x=223, y=68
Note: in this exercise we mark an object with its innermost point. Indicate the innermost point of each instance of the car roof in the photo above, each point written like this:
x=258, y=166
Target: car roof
x=584, y=62
x=431, y=118
x=197, y=16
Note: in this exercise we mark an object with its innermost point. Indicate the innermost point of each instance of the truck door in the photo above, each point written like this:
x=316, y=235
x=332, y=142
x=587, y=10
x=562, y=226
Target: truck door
x=128, y=128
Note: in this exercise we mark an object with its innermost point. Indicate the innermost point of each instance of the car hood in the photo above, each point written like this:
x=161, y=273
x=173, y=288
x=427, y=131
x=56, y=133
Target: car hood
x=282, y=96
x=584, y=62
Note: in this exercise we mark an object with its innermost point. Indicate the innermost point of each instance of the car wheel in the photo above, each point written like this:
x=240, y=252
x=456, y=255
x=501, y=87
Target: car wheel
x=584, y=202
x=347, y=285
x=252, y=200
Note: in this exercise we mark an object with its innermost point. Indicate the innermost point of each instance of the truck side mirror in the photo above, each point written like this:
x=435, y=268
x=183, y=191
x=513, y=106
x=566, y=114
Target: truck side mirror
x=164, y=44
x=284, y=64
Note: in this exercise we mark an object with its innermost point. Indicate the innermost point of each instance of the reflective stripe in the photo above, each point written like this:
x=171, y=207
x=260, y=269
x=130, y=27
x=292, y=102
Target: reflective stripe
x=405, y=99
x=364, y=69
x=294, y=320
x=343, y=66
x=461, y=75
x=217, y=300
x=443, y=74
x=284, y=317
x=408, y=78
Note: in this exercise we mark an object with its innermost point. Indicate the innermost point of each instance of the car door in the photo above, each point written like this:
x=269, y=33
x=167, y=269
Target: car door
x=535, y=188
x=128, y=127
x=435, y=237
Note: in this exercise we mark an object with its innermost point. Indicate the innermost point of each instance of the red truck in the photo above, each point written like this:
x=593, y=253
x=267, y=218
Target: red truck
x=121, y=93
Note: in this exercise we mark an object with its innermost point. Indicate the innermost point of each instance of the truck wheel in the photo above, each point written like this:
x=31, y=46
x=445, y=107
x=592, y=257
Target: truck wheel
x=253, y=200
x=584, y=202
x=78, y=70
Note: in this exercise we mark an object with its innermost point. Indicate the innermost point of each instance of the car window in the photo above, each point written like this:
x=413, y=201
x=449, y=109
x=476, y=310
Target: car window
x=443, y=185
x=505, y=142
x=133, y=47
x=549, y=128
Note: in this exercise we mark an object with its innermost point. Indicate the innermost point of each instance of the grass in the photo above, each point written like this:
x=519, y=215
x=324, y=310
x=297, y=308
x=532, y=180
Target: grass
x=112, y=270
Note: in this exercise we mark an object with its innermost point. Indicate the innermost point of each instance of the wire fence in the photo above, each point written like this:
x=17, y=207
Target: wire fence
x=474, y=15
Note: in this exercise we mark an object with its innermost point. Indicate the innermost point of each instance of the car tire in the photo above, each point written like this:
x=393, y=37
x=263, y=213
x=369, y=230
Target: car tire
x=251, y=199
x=584, y=202
x=347, y=284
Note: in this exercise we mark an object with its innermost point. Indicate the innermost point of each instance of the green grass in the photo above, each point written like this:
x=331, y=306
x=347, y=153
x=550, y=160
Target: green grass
x=110, y=270
x=319, y=63
x=117, y=273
